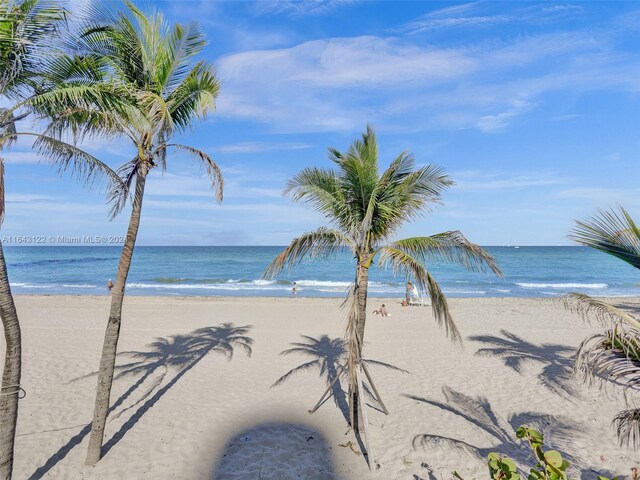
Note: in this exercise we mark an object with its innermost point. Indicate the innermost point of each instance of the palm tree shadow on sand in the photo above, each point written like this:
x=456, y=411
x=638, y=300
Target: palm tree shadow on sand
x=176, y=354
x=328, y=356
x=477, y=411
x=277, y=450
x=556, y=359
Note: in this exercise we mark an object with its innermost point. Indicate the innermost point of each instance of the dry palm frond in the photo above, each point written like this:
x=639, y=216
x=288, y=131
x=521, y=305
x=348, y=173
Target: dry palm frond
x=612, y=356
x=627, y=425
x=588, y=307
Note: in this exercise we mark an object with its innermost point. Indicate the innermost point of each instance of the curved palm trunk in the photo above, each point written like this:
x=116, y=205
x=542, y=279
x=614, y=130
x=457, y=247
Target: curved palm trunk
x=358, y=319
x=110, y=346
x=11, y=375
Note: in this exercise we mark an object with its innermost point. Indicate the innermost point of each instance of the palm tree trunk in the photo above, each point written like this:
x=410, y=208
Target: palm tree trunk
x=360, y=311
x=110, y=346
x=361, y=296
x=11, y=375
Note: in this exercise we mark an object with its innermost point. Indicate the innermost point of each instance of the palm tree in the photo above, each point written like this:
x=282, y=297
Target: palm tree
x=613, y=355
x=26, y=29
x=161, y=91
x=367, y=208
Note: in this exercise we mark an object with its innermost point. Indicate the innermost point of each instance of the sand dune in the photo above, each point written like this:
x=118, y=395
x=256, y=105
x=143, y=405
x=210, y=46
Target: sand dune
x=182, y=414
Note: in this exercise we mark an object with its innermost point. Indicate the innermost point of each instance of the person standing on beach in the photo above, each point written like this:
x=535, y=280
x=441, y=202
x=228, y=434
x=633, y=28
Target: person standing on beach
x=109, y=285
x=407, y=292
x=295, y=290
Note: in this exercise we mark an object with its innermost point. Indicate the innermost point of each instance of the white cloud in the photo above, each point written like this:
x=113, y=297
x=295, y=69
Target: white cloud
x=21, y=158
x=478, y=14
x=259, y=147
x=479, y=181
x=339, y=84
x=601, y=196
x=300, y=8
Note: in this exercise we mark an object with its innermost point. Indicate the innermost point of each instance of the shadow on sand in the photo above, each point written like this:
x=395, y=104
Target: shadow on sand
x=174, y=355
x=556, y=360
x=276, y=451
x=327, y=356
x=478, y=412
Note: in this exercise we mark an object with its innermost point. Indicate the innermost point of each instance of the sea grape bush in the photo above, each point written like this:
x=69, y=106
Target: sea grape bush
x=550, y=464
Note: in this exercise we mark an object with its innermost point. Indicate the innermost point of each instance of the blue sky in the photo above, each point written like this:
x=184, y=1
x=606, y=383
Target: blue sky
x=532, y=108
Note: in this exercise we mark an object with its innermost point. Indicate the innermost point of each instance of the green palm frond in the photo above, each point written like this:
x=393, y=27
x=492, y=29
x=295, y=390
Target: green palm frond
x=67, y=157
x=321, y=243
x=27, y=31
x=611, y=232
x=448, y=247
x=404, y=264
x=195, y=96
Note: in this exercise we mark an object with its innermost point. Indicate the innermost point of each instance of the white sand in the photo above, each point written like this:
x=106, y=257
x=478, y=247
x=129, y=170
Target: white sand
x=218, y=419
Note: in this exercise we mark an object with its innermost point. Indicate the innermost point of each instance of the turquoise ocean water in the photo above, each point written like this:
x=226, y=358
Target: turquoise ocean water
x=237, y=271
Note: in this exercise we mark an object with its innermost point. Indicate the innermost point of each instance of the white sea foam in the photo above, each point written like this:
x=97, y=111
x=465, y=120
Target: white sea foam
x=75, y=285
x=563, y=285
x=323, y=283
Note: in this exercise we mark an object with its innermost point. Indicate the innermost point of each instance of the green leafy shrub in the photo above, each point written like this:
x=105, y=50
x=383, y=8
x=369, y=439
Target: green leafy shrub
x=550, y=464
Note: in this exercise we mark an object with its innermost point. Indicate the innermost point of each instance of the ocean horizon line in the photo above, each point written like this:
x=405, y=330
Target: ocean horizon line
x=81, y=245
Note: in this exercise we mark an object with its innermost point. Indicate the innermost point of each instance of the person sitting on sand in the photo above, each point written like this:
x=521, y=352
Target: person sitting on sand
x=382, y=311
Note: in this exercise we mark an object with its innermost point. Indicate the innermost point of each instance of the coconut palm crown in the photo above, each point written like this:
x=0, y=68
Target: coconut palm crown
x=614, y=355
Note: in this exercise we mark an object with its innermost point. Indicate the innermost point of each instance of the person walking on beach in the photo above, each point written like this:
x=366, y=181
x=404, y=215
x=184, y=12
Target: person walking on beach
x=295, y=290
x=407, y=293
x=109, y=285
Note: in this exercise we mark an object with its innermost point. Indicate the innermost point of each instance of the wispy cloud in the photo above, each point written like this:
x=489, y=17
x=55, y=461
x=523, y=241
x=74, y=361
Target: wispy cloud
x=260, y=147
x=601, y=196
x=339, y=84
x=480, y=14
x=20, y=158
x=300, y=8
x=480, y=181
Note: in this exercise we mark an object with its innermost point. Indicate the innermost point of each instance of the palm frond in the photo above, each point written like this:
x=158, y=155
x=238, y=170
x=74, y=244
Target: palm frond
x=627, y=425
x=321, y=189
x=321, y=243
x=427, y=441
x=612, y=356
x=407, y=194
x=119, y=194
x=611, y=232
x=406, y=265
x=588, y=307
x=27, y=31
x=69, y=157
x=448, y=247
x=211, y=167
x=195, y=96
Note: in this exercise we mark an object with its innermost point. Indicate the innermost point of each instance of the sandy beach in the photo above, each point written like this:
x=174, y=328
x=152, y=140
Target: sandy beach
x=182, y=415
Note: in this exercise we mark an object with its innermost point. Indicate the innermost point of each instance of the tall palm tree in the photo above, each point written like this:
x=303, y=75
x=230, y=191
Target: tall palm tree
x=161, y=91
x=613, y=355
x=366, y=209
